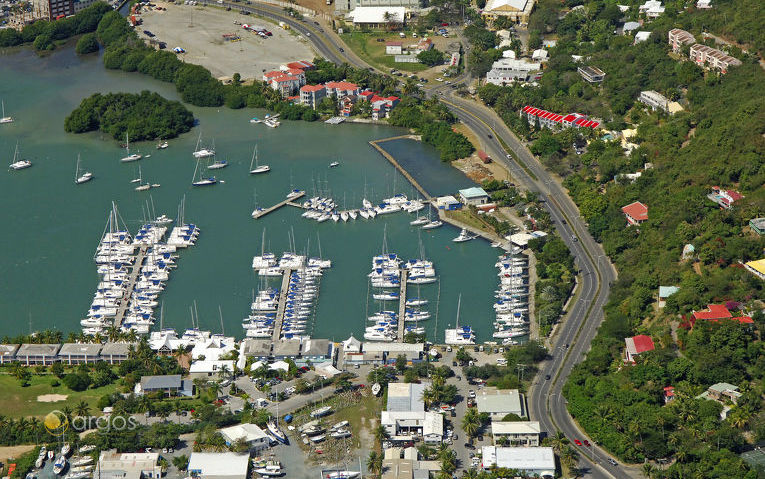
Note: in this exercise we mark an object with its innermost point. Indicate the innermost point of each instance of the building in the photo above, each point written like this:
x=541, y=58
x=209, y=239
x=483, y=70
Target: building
x=424, y=45
x=170, y=384
x=343, y=6
x=398, y=468
x=517, y=433
x=474, y=196
x=129, y=465
x=498, y=403
x=630, y=27
x=286, y=349
x=516, y=10
x=8, y=353
x=82, y=4
x=636, y=213
x=211, y=368
x=448, y=203
x=657, y=101
x=213, y=348
x=255, y=437
x=665, y=292
x=718, y=312
x=298, y=65
x=756, y=267
x=678, y=38
x=316, y=350
x=757, y=225
x=55, y=9
x=218, y=465
x=378, y=17
x=394, y=48
x=405, y=397
x=342, y=88
x=721, y=392
x=651, y=8
x=539, y=55
x=669, y=394
x=637, y=345
x=724, y=198
x=508, y=70
x=591, y=74
x=522, y=239
x=530, y=461
x=704, y=4
x=405, y=414
x=33, y=354
x=555, y=121
x=115, y=353
x=259, y=349
x=76, y=353
x=285, y=84
x=641, y=37
x=712, y=57
x=352, y=345
x=413, y=352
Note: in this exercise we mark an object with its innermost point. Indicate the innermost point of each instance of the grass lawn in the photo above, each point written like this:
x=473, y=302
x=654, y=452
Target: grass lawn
x=465, y=216
x=366, y=46
x=16, y=401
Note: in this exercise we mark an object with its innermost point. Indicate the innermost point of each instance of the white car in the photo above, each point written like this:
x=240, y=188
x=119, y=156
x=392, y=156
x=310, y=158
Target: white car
x=439, y=79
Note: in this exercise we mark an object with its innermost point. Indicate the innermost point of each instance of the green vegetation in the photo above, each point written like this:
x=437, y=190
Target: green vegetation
x=88, y=43
x=43, y=34
x=520, y=370
x=555, y=273
x=145, y=116
x=372, y=51
x=431, y=57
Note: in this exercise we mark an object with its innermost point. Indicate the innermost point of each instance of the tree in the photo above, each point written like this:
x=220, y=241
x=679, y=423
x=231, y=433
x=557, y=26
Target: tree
x=462, y=356
x=471, y=423
x=88, y=43
x=380, y=433
x=374, y=463
x=431, y=57
x=82, y=409
x=181, y=462
x=401, y=363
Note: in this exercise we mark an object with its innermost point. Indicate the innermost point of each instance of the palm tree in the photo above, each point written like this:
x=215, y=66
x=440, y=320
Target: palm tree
x=381, y=433
x=113, y=333
x=223, y=371
x=374, y=463
x=648, y=469
x=214, y=388
x=471, y=422
x=82, y=409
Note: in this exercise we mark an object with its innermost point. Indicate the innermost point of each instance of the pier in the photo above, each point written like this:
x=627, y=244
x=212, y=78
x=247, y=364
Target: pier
x=376, y=145
x=259, y=214
x=131, y=285
x=282, y=305
x=402, y=305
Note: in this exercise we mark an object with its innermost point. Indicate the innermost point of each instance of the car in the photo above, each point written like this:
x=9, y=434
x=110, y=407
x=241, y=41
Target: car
x=342, y=50
x=567, y=345
x=444, y=24
x=577, y=442
x=459, y=378
x=316, y=23
x=547, y=377
x=471, y=394
x=308, y=34
x=613, y=463
x=489, y=136
x=439, y=79
x=469, y=446
x=586, y=443
x=574, y=238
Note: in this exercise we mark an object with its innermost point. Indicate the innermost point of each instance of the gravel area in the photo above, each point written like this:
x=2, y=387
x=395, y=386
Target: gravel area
x=199, y=30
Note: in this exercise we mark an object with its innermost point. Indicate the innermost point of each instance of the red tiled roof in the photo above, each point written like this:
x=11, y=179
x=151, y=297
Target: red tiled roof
x=312, y=88
x=734, y=195
x=284, y=78
x=636, y=210
x=643, y=343
x=714, y=312
x=392, y=98
x=273, y=74
x=295, y=71
x=300, y=65
x=341, y=85
x=669, y=391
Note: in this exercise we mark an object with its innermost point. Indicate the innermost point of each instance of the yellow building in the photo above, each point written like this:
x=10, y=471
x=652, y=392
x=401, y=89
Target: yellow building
x=516, y=10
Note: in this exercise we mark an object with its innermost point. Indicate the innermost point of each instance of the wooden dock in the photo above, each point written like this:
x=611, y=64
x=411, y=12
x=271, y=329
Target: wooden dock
x=282, y=305
x=376, y=145
x=131, y=285
x=402, y=305
x=291, y=200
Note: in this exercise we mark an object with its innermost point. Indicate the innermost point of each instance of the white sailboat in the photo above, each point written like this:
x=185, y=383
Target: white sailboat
x=202, y=181
x=17, y=164
x=459, y=335
x=204, y=152
x=3, y=118
x=254, y=167
x=162, y=145
x=81, y=178
x=217, y=165
x=129, y=157
x=141, y=185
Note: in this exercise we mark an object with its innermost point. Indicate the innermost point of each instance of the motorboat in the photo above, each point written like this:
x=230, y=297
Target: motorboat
x=162, y=145
x=432, y=224
x=271, y=469
x=343, y=474
x=334, y=164
x=59, y=465
x=17, y=164
x=464, y=236
x=203, y=152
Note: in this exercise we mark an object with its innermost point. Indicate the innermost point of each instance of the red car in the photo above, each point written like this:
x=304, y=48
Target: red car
x=444, y=24
x=577, y=442
x=587, y=443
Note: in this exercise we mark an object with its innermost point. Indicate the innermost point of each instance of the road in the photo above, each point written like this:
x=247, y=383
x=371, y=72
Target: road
x=574, y=335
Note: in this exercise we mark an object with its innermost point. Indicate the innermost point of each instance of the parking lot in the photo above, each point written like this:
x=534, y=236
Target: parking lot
x=200, y=31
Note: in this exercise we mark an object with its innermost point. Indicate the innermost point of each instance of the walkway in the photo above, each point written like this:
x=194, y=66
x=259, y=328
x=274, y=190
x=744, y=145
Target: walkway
x=410, y=178
x=283, y=292
x=402, y=305
x=259, y=214
x=131, y=285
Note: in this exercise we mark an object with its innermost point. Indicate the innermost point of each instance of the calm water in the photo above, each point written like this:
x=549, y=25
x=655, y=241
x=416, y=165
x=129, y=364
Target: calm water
x=51, y=226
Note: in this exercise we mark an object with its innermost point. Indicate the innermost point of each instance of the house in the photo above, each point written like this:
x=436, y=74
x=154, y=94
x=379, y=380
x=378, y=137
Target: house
x=555, y=121
x=636, y=213
x=591, y=74
x=641, y=37
x=211, y=368
x=8, y=353
x=285, y=84
x=724, y=198
x=129, y=465
x=394, y=48
x=424, y=45
x=539, y=55
x=413, y=352
x=474, y=196
x=718, y=312
x=405, y=414
x=508, y=70
x=637, y=345
x=678, y=38
x=381, y=106
x=447, y=203
x=630, y=27
x=516, y=10
x=255, y=437
x=342, y=88
x=665, y=292
x=517, y=433
x=688, y=251
x=757, y=225
x=657, y=101
x=279, y=366
x=342, y=6
x=115, y=353
x=712, y=57
x=651, y=8
x=378, y=17
x=298, y=65
x=170, y=384
x=529, y=461
x=669, y=394
x=218, y=465
x=522, y=239
x=77, y=353
x=756, y=267
x=316, y=350
x=32, y=354
x=498, y=403
x=721, y=392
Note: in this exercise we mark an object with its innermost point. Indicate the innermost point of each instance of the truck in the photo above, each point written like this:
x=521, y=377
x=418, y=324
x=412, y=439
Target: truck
x=284, y=25
x=484, y=157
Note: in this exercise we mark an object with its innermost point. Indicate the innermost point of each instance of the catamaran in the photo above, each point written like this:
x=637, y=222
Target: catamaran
x=421, y=220
x=17, y=164
x=129, y=157
x=3, y=118
x=460, y=334
x=202, y=181
x=254, y=167
x=204, y=152
x=81, y=178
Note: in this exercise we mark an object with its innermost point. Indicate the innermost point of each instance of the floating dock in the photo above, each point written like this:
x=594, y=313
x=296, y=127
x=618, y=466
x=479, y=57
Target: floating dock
x=259, y=214
x=402, y=305
x=283, y=292
x=137, y=266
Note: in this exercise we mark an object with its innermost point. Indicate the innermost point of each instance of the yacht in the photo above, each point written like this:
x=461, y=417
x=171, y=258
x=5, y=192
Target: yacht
x=464, y=236
x=217, y=165
x=255, y=168
x=294, y=194
x=432, y=224
x=59, y=465
x=416, y=302
x=460, y=335
x=17, y=164
x=274, y=430
x=162, y=145
x=271, y=469
x=378, y=336
x=343, y=474
x=353, y=214
x=204, y=152
x=334, y=164
x=202, y=181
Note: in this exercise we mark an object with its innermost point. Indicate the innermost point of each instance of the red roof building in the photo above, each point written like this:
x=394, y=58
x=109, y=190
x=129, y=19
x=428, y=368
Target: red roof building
x=669, y=394
x=311, y=95
x=301, y=65
x=636, y=213
x=637, y=345
x=342, y=88
x=725, y=198
x=553, y=121
x=714, y=312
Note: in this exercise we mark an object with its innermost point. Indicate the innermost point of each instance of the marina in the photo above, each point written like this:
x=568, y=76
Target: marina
x=296, y=195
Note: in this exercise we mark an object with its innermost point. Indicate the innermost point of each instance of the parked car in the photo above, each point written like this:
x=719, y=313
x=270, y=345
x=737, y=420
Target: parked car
x=577, y=442
x=586, y=443
x=613, y=463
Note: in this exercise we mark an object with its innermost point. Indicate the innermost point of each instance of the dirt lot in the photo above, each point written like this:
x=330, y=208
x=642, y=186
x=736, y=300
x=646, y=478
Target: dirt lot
x=13, y=452
x=199, y=30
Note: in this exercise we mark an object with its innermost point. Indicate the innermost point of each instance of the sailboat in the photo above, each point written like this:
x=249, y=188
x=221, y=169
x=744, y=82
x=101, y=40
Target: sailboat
x=17, y=164
x=257, y=168
x=141, y=186
x=459, y=335
x=85, y=177
x=273, y=427
x=162, y=145
x=3, y=118
x=257, y=211
x=129, y=157
x=202, y=181
x=204, y=152
x=429, y=225
x=217, y=165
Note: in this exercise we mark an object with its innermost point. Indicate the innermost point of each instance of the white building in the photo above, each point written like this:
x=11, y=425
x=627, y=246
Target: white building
x=657, y=101
x=498, y=403
x=406, y=417
x=517, y=433
x=651, y=8
x=531, y=461
x=218, y=465
x=132, y=465
x=378, y=17
x=347, y=5
x=516, y=10
x=213, y=348
x=474, y=196
x=254, y=436
x=394, y=48
x=211, y=368
x=641, y=37
x=508, y=70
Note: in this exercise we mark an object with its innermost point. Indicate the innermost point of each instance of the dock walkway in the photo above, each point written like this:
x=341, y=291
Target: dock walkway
x=262, y=213
x=402, y=305
x=131, y=285
x=282, y=305
x=376, y=145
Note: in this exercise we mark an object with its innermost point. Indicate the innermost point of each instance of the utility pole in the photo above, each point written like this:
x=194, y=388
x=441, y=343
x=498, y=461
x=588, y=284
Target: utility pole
x=521, y=368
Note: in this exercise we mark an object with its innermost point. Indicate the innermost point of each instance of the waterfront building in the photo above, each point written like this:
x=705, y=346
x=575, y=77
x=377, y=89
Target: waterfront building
x=77, y=353
x=316, y=350
x=555, y=121
x=129, y=465
x=259, y=349
x=211, y=368
x=448, y=203
x=170, y=384
x=498, y=403
x=55, y=9
x=413, y=352
x=405, y=414
x=342, y=88
x=33, y=354
x=115, y=353
x=474, y=196
x=8, y=353
x=213, y=348
x=311, y=95
x=218, y=465
x=517, y=433
x=287, y=349
x=529, y=461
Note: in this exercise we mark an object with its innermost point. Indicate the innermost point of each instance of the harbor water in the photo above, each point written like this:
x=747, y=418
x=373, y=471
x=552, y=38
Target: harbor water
x=51, y=226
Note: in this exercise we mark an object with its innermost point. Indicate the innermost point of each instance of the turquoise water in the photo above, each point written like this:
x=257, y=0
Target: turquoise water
x=51, y=226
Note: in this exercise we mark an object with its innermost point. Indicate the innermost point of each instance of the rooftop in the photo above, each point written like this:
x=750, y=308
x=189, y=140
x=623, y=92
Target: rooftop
x=206, y=464
x=473, y=192
x=116, y=349
x=639, y=344
x=87, y=349
x=506, y=5
x=246, y=431
x=667, y=291
x=757, y=265
x=256, y=347
x=500, y=401
x=404, y=397
x=378, y=14
x=38, y=350
x=170, y=381
x=515, y=427
x=637, y=210
x=521, y=458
